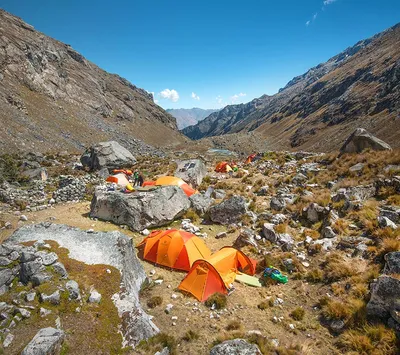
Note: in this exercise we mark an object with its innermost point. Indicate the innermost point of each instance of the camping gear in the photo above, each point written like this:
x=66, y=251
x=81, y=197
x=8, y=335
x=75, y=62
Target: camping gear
x=275, y=274
x=217, y=273
x=248, y=280
x=223, y=167
x=174, y=181
x=119, y=179
x=250, y=158
x=173, y=248
x=123, y=171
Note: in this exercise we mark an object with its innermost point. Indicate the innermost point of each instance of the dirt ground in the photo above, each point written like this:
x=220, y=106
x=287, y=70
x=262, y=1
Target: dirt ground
x=242, y=303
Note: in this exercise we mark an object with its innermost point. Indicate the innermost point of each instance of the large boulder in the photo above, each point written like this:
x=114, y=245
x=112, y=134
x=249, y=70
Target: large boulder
x=235, y=347
x=200, y=203
x=110, y=248
x=110, y=155
x=392, y=265
x=47, y=341
x=140, y=210
x=360, y=139
x=315, y=213
x=192, y=171
x=229, y=211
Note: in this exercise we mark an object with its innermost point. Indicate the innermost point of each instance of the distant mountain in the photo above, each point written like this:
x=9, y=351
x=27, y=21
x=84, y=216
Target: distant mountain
x=52, y=98
x=359, y=87
x=189, y=116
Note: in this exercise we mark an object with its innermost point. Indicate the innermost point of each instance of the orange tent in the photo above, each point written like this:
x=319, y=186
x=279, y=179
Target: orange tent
x=119, y=179
x=250, y=158
x=223, y=167
x=173, y=248
x=172, y=180
x=216, y=273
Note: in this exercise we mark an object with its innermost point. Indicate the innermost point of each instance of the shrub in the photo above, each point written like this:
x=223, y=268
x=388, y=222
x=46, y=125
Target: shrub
x=154, y=301
x=315, y=276
x=159, y=342
x=298, y=313
x=190, y=335
x=263, y=305
x=192, y=215
x=234, y=325
x=217, y=299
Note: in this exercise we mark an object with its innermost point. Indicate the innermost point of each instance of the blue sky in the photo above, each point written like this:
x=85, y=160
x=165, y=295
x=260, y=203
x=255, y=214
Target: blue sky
x=208, y=53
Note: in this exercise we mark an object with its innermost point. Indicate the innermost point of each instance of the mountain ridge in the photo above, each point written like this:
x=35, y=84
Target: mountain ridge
x=189, y=116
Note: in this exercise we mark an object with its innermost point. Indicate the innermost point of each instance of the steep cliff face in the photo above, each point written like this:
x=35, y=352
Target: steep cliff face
x=358, y=87
x=51, y=97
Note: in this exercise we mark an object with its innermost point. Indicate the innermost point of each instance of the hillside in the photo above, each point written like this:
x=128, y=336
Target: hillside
x=357, y=88
x=51, y=97
x=189, y=116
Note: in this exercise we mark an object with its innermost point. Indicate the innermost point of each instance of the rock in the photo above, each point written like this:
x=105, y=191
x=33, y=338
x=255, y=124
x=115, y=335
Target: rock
x=219, y=194
x=386, y=222
x=145, y=232
x=164, y=351
x=47, y=341
x=94, y=297
x=168, y=308
x=391, y=212
x=200, y=203
x=23, y=218
x=8, y=340
x=326, y=243
x=361, y=192
x=299, y=179
x=44, y=312
x=29, y=269
x=384, y=293
x=263, y=191
x=30, y=297
x=284, y=240
x=54, y=298
x=47, y=258
x=392, y=265
x=229, y=211
x=315, y=213
x=337, y=325
x=24, y=312
x=221, y=235
x=110, y=248
x=139, y=211
x=277, y=203
x=60, y=269
x=35, y=174
x=246, y=237
x=235, y=347
x=73, y=290
x=40, y=278
x=110, y=155
x=4, y=261
x=191, y=171
x=360, y=139
x=328, y=232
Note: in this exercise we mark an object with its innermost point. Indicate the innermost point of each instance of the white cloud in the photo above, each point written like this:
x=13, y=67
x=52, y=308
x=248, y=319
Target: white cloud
x=219, y=99
x=315, y=16
x=194, y=96
x=169, y=95
x=307, y=23
x=236, y=97
x=328, y=2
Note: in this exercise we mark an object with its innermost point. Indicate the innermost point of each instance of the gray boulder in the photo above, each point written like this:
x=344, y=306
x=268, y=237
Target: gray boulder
x=110, y=248
x=246, y=237
x=229, y=211
x=110, y=155
x=284, y=240
x=54, y=298
x=361, y=192
x=219, y=194
x=35, y=174
x=73, y=290
x=140, y=210
x=360, y=139
x=315, y=213
x=392, y=265
x=191, y=171
x=200, y=203
x=391, y=212
x=277, y=203
x=47, y=341
x=386, y=222
x=235, y=347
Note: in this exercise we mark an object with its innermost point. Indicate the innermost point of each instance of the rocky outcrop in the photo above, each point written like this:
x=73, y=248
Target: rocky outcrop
x=47, y=341
x=235, y=347
x=140, y=210
x=110, y=248
x=360, y=139
x=191, y=171
x=110, y=155
x=200, y=203
x=229, y=211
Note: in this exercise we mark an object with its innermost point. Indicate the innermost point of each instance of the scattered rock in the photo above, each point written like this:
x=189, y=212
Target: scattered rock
x=219, y=194
x=337, y=325
x=54, y=298
x=328, y=232
x=73, y=290
x=357, y=167
x=94, y=297
x=386, y=222
x=246, y=237
x=392, y=265
x=47, y=341
x=44, y=312
x=277, y=203
x=60, y=269
x=221, y=235
x=235, y=347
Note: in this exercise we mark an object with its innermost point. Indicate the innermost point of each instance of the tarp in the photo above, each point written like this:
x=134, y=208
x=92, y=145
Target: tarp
x=174, y=181
x=173, y=248
x=217, y=273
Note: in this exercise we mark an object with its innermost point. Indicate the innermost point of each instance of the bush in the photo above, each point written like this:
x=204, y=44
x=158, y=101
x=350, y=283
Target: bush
x=234, y=325
x=315, y=276
x=217, y=299
x=190, y=335
x=159, y=342
x=298, y=314
x=154, y=301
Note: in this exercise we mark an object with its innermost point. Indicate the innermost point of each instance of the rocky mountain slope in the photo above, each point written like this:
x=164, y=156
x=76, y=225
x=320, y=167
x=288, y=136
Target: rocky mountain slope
x=51, y=97
x=358, y=87
x=189, y=116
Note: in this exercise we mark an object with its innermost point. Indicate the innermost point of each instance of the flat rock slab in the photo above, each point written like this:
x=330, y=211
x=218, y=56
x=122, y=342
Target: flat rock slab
x=111, y=248
x=235, y=347
x=140, y=210
x=47, y=341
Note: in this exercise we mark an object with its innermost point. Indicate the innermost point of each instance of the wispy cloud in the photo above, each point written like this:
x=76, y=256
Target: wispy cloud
x=195, y=97
x=235, y=98
x=169, y=95
x=325, y=3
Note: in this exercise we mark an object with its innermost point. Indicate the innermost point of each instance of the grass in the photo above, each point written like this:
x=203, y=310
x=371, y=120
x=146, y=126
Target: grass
x=157, y=343
x=315, y=276
x=218, y=299
x=154, y=301
x=336, y=267
x=298, y=314
x=234, y=325
x=192, y=215
x=190, y=335
x=351, y=310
